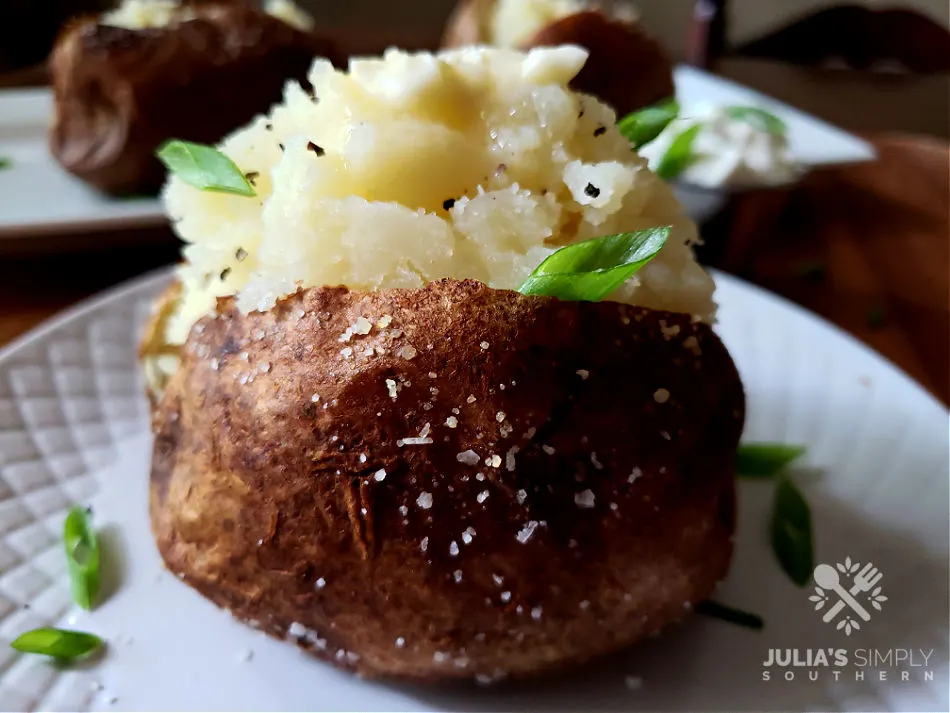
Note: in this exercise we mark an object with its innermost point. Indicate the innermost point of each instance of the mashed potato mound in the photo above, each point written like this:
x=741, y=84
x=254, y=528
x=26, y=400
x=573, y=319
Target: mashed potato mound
x=470, y=163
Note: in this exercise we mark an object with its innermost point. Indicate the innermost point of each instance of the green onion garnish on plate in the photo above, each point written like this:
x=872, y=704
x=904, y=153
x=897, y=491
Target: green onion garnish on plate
x=764, y=460
x=61, y=644
x=82, y=557
x=592, y=269
x=791, y=532
x=204, y=167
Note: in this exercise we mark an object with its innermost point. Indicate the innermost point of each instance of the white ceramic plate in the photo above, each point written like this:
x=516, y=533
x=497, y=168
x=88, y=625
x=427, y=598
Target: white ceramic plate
x=73, y=428
x=37, y=197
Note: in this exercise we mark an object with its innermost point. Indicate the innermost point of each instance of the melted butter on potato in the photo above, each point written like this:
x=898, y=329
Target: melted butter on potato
x=470, y=163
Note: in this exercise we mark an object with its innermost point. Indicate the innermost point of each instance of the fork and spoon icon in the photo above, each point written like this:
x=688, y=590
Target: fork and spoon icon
x=826, y=577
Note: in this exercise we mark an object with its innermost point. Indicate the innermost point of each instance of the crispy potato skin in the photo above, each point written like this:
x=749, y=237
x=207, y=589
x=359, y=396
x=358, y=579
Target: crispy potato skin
x=119, y=93
x=263, y=501
x=626, y=68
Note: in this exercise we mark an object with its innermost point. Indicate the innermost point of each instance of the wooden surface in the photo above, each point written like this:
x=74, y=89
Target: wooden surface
x=866, y=246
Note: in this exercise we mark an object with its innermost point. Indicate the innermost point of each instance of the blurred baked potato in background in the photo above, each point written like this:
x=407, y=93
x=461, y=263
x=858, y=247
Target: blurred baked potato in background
x=626, y=68
x=197, y=73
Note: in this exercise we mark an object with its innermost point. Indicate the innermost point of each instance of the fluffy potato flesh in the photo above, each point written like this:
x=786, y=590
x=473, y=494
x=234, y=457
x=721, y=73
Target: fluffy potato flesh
x=451, y=481
x=472, y=163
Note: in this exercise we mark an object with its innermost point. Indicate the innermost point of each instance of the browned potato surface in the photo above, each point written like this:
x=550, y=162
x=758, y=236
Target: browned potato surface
x=626, y=68
x=119, y=93
x=484, y=484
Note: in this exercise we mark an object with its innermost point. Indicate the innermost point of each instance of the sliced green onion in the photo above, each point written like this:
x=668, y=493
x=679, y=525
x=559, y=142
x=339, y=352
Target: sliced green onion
x=82, y=557
x=204, y=167
x=592, y=269
x=58, y=643
x=5, y=163
x=726, y=613
x=679, y=155
x=792, y=532
x=763, y=460
x=759, y=118
x=644, y=125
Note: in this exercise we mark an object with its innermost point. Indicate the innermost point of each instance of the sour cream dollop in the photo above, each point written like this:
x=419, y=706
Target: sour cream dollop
x=728, y=151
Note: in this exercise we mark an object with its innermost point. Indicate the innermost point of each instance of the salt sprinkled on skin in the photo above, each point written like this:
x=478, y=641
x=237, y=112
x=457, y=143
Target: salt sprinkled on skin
x=470, y=399
x=665, y=435
x=455, y=411
x=424, y=432
x=320, y=583
x=583, y=373
x=315, y=398
x=424, y=500
x=498, y=579
x=482, y=496
x=596, y=463
x=468, y=457
x=468, y=535
x=510, y=459
x=214, y=364
x=536, y=613
x=362, y=457
x=424, y=544
x=636, y=473
x=380, y=476
x=393, y=389
x=403, y=510
x=457, y=574
x=495, y=462
x=384, y=321
x=548, y=449
x=479, y=477
x=432, y=375
x=661, y=396
x=400, y=642
x=453, y=548
x=414, y=441
x=362, y=326
x=584, y=499
x=521, y=496
x=407, y=352
x=525, y=533
x=506, y=597
x=484, y=345
x=439, y=656
x=346, y=352
x=500, y=416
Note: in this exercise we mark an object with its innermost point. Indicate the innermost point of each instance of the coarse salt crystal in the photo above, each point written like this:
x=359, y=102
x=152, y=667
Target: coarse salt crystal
x=439, y=656
x=384, y=321
x=665, y=435
x=584, y=499
x=297, y=630
x=596, y=463
x=362, y=326
x=320, y=583
x=432, y=375
x=470, y=399
x=525, y=533
x=506, y=597
x=403, y=509
x=495, y=461
x=521, y=496
x=400, y=642
x=362, y=457
x=498, y=579
x=451, y=422
x=424, y=500
x=453, y=548
x=392, y=388
x=424, y=432
x=457, y=574
x=583, y=373
x=484, y=345
x=548, y=449
x=536, y=613
x=315, y=398
x=468, y=457
x=380, y=476
x=500, y=416
x=407, y=352
x=634, y=474
x=479, y=477
x=424, y=544
x=661, y=396
x=414, y=441
x=468, y=535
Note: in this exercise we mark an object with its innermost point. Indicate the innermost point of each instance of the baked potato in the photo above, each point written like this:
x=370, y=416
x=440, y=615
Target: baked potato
x=119, y=92
x=627, y=68
x=490, y=485
x=369, y=443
